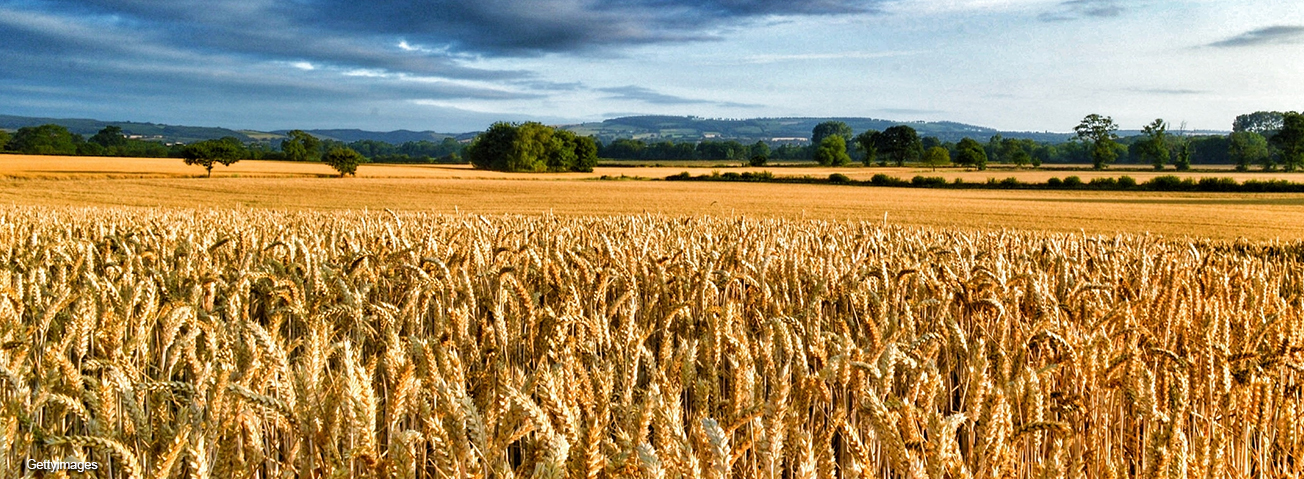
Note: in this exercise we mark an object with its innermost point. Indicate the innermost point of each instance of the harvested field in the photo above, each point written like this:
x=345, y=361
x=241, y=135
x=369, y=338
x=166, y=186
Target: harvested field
x=78, y=167
x=1212, y=215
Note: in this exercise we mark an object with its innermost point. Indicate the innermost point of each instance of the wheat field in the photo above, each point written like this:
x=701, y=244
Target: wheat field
x=257, y=344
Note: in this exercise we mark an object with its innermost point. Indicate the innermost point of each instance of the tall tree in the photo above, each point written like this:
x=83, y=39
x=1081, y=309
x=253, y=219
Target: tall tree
x=44, y=140
x=868, y=144
x=1099, y=131
x=1247, y=148
x=971, y=153
x=1265, y=123
x=901, y=144
x=1154, y=147
x=4, y=140
x=824, y=130
x=110, y=137
x=1015, y=151
x=994, y=149
x=832, y=151
x=1290, y=141
x=301, y=146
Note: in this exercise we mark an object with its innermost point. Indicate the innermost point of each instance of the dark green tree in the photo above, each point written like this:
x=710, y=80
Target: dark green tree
x=532, y=147
x=4, y=140
x=867, y=143
x=832, y=151
x=760, y=154
x=1154, y=146
x=828, y=128
x=994, y=148
x=901, y=144
x=110, y=137
x=971, y=153
x=1182, y=157
x=1015, y=151
x=1290, y=141
x=301, y=146
x=1247, y=148
x=206, y=153
x=1265, y=123
x=929, y=142
x=345, y=160
x=44, y=140
x=1099, y=132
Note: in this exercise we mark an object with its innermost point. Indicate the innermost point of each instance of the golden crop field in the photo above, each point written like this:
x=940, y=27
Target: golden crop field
x=1227, y=216
x=258, y=344
x=83, y=167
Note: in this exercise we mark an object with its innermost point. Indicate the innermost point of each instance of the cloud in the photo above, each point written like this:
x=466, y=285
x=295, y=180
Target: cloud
x=1079, y=9
x=647, y=95
x=1167, y=91
x=1281, y=34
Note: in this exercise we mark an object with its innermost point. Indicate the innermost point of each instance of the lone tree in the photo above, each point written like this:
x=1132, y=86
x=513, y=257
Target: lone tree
x=900, y=143
x=1154, y=146
x=1290, y=141
x=832, y=151
x=344, y=160
x=1247, y=148
x=1099, y=130
x=971, y=153
x=226, y=151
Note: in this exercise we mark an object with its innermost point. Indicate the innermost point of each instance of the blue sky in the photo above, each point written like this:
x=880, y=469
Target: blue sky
x=458, y=66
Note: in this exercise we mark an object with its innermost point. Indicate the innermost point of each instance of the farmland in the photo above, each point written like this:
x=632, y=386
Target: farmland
x=183, y=343
x=435, y=321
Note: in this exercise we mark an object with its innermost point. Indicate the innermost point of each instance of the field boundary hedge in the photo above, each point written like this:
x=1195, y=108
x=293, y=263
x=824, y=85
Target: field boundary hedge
x=1122, y=183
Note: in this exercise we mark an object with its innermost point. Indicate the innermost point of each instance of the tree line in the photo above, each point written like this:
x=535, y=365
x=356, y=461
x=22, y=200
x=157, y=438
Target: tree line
x=1265, y=139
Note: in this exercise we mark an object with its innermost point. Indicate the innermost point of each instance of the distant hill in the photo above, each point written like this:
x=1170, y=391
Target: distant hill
x=687, y=128
x=648, y=128
x=148, y=131
x=392, y=137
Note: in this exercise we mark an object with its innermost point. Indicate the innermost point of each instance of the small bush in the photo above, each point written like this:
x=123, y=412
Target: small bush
x=885, y=180
x=928, y=181
x=1073, y=182
x=1169, y=183
x=1054, y=182
x=1103, y=183
x=1126, y=182
x=684, y=176
x=1217, y=184
x=1010, y=182
x=839, y=178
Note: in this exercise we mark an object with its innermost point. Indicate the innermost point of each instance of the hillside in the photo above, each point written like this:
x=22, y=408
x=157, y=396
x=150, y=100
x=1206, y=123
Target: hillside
x=147, y=131
x=648, y=128
x=681, y=128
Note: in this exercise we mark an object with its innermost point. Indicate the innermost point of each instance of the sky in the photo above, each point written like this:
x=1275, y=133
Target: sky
x=451, y=66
